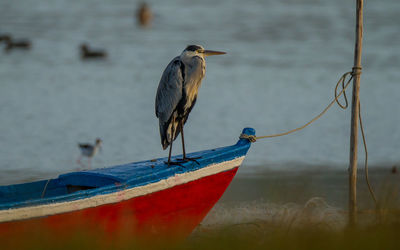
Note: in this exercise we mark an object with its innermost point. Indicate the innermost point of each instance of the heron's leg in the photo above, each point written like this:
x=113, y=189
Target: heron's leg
x=170, y=151
x=169, y=162
x=183, y=146
x=183, y=139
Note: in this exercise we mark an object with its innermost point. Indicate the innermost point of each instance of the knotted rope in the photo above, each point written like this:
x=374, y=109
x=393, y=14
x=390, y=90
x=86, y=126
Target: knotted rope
x=342, y=81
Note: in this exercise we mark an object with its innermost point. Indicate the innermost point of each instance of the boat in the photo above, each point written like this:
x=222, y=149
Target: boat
x=141, y=199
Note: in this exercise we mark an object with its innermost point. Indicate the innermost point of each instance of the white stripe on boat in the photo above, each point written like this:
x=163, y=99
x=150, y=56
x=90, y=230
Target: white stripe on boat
x=68, y=206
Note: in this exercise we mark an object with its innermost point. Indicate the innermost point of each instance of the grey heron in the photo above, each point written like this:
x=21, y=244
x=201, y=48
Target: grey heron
x=89, y=150
x=177, y=94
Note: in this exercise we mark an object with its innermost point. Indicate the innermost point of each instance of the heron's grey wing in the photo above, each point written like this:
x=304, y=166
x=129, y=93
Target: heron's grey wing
x=169, y=91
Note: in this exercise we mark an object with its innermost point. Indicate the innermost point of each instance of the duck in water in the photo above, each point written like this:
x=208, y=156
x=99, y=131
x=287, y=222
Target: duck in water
x=144, y=15
x=87, y=53
x=15, y=44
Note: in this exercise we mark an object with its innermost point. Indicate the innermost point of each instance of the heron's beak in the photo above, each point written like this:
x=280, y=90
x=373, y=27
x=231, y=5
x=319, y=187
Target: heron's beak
x=213, y=53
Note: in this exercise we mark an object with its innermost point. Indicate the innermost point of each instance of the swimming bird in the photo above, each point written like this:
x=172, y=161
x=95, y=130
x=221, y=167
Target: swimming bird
x=15, y=44
x=89, y=150
x=4, y=37
x=87, y=53
x=144, y=15
x=177, y=94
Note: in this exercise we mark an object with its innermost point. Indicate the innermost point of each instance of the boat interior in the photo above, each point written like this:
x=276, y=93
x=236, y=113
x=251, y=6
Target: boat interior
x=63, y=185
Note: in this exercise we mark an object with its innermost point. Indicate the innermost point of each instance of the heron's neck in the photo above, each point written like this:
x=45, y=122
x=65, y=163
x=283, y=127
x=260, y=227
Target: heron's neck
x=187, y=56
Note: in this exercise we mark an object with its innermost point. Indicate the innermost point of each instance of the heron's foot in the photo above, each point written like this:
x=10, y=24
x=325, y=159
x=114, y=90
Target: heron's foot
x=187, y=159
x=175, y=163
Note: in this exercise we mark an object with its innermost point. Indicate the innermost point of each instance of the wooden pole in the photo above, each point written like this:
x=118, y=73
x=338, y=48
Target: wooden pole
x=354, y=116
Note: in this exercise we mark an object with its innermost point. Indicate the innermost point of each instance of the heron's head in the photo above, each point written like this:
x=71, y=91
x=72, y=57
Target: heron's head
x=198, y=50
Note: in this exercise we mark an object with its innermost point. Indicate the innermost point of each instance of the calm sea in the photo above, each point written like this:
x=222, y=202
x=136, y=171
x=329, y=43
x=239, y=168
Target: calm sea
x=283, y=60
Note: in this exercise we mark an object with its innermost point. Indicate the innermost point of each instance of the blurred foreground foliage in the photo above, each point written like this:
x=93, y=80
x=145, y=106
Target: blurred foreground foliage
x=381, y=234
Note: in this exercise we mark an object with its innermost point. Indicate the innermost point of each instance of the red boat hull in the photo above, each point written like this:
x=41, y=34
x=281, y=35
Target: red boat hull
x=170, y=213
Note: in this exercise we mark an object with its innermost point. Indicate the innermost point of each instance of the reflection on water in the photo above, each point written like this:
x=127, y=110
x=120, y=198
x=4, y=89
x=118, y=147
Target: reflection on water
x=283, y=59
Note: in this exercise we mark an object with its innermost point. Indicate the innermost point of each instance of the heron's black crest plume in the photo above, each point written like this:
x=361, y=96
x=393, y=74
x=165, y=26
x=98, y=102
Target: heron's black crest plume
x=193, y=48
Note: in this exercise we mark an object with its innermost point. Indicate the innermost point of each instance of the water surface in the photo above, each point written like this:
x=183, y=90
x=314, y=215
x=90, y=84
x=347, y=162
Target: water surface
x=283, y=60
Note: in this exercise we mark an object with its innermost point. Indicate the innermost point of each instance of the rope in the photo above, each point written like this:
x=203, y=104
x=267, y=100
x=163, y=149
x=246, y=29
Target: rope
x=371, y=191
x=45, y=188
x=342, y=80
x=357, y=70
